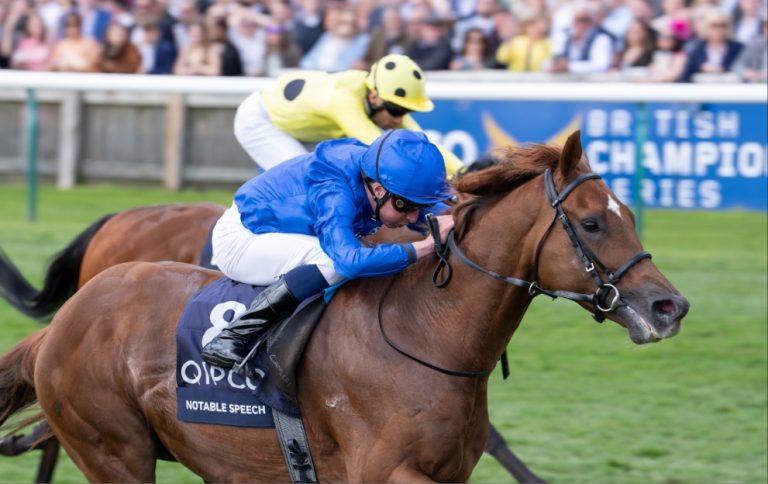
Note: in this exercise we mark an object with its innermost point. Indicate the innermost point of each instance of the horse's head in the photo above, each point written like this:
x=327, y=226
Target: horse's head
x=602, y=254
x=578, y=241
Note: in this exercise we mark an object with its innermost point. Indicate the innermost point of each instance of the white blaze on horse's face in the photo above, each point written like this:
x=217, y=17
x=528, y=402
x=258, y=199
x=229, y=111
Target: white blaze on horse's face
x=613, y=206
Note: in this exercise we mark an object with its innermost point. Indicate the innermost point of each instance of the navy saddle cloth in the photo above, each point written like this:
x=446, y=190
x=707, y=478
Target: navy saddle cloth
x=209, y=394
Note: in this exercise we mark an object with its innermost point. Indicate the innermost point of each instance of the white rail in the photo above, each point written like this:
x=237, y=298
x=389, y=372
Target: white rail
x=486, y=87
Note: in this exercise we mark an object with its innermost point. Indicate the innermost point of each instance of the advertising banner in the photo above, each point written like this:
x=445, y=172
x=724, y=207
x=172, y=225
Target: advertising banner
x=695, y=156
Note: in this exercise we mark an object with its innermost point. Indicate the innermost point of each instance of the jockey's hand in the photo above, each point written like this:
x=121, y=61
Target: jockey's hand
x=427, y=246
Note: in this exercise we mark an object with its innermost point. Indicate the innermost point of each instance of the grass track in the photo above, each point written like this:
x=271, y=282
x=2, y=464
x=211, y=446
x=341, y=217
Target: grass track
x=583, y=403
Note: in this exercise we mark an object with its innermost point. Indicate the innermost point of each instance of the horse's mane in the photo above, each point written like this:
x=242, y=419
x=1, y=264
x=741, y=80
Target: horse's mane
x=515, y=166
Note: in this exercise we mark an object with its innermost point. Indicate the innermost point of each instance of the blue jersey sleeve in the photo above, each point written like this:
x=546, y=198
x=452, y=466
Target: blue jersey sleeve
x=334, y=205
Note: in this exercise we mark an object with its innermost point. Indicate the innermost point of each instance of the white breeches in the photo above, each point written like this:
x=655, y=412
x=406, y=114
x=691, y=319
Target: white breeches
x=260, y=259
x=265, y=144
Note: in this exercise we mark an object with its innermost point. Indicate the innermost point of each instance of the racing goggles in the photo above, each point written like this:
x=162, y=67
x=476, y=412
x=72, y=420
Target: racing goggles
x=403, y=205
x=394, y=110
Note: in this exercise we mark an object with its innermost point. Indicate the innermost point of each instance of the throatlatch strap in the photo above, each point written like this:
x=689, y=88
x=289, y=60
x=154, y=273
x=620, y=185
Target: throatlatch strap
x=295, y=447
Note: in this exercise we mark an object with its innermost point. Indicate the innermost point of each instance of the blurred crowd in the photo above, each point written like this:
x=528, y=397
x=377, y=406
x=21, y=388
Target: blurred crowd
x=641, y=40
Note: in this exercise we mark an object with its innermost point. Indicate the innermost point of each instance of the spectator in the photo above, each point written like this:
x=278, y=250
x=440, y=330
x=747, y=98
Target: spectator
x=431, y=50
x=617, y=18
x=200, y=57
x=560, y=23
x=716, y=52
x=150, y=12
x=388, y=38
x=672, y=11
x=32, y=52
x=308, y=26
x=698, y=11
x=463, y=8
x=530, y=51
x=188, y=16
x=120, y=11
x=231, y=60
x=281, y=13
x=505, y=27
x=4, y=56
x=748, y=20
x=250, y=39
x=94, y=20
x=668, y=59
x=282, y=51
x=157, y=54
x=525, y=10
x=641, y=10
x=752, y=63
x=599, y=10
x=414, y=11
x=639, y=44
x=587, y=50
x=118, y=54
x=481, y=18
x=375, y=19
x=363, y=10
x=51, y=11
x=338, y=49
x=74, y=52
x=218, y=10
x=13, y=28
x=475, y=53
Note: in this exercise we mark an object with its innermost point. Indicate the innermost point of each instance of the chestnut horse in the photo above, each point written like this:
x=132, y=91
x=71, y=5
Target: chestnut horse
x=105, y=379
x=153, y=233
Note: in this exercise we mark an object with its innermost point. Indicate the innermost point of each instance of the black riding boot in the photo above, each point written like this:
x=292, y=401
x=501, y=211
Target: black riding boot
x=270, y=306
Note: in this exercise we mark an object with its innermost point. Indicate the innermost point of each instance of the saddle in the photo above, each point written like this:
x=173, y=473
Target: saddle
x=285, y=344
x=269, y=377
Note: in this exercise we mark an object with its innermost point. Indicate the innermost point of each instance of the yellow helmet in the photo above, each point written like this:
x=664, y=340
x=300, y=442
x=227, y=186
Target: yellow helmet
x=399, y=80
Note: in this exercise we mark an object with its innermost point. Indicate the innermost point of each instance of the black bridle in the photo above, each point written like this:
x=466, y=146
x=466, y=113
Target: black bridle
x=606, y=289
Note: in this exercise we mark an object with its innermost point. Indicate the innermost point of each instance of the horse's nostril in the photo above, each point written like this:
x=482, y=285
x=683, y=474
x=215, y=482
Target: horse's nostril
x=666, y=307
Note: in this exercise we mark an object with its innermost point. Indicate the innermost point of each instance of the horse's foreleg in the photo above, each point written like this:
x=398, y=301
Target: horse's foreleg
x=498, y=448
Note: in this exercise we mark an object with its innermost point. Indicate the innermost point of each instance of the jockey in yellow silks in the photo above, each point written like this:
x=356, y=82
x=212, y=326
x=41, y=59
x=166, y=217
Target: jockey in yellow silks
x=312, y=106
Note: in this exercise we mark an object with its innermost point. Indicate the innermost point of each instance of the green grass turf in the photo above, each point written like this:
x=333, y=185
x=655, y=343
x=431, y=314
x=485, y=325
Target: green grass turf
x=583, y=404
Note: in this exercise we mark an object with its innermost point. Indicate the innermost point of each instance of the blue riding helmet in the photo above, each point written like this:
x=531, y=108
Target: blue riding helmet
x=407, y=165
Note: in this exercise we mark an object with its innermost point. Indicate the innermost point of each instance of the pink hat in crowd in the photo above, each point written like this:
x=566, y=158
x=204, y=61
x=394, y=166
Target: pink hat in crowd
x=680, y=28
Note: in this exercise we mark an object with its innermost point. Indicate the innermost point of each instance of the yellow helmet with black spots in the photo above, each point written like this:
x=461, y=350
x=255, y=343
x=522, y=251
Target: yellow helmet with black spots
x=399, y=80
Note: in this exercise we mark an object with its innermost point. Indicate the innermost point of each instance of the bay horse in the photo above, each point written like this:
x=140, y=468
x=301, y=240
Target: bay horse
x=153, y=233
x=104, y=377
x=175, y=232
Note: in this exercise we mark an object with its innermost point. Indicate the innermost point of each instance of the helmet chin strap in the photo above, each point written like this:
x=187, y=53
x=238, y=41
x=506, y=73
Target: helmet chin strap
x=379, y=201
x=369, y=108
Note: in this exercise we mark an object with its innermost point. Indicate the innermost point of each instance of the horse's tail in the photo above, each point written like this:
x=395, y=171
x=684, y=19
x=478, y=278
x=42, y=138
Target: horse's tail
x=17, y=375
x=60, y=281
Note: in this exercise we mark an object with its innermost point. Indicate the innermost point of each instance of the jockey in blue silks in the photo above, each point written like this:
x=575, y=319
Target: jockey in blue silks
x=298, y=227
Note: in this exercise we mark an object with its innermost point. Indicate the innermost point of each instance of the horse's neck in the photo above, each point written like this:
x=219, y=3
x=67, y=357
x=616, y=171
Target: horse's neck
x=467, y=324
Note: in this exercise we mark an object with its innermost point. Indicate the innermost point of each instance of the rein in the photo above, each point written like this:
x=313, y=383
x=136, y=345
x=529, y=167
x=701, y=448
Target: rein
x=605, y=288
x=461, y=374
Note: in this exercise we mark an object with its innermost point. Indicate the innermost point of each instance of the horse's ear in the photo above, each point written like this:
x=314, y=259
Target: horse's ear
x=571, y=155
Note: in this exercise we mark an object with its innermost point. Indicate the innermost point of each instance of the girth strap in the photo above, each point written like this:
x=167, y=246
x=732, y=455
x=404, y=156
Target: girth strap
x=295, y=447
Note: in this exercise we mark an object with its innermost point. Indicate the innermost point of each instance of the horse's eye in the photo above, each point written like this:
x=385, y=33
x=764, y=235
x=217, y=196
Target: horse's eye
x=590, y=225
